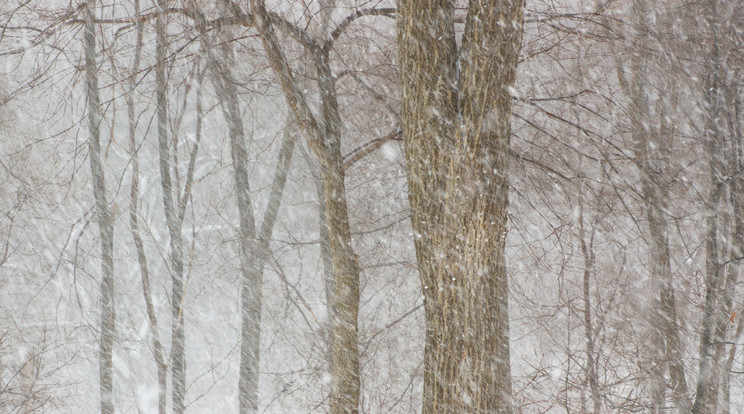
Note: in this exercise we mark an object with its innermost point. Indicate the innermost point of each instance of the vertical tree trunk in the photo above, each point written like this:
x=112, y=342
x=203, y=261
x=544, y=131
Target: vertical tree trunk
x=706, y=395
x=345, y=285
x=251, y=278
x=736, y=166
x=324, y=139
x=651, y=149
x=103, y=214
x=178, y=336
x=160, y=358
x=326, y=11
x=253, y=248
x=327, y=260
x=457, y=149
x=587, y=251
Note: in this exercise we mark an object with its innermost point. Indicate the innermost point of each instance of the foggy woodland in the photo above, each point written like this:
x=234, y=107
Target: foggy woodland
x=373, y=206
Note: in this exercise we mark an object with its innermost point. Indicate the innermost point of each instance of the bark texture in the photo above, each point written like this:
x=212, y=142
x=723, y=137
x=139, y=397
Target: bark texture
x=456, y=129
x=103, y=214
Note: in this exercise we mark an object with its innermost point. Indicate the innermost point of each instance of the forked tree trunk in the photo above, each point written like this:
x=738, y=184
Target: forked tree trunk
x=253, y=248
x=103, y=214
x=457, y=150
x=324, y=139
x=250, y=280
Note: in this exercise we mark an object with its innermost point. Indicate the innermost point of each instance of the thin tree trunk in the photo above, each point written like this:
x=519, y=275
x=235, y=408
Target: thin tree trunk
x=707, y=385
x=659, y=247
x=158, y=352
x=327, y=8
x=346, y=287
x=667, y=347
x=706, y=395
x=457, y=133
x=178, y=337
x=587, y=252
x=326, y=258
x=732, y=274
x=737, y=249
x=104, y=215
x=727, y=106
x=324, y=140
x=251, y=278
x=253, y=250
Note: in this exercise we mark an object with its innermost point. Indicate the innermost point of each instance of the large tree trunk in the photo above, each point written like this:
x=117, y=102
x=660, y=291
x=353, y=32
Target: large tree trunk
x=457, y=150
x=104, y=216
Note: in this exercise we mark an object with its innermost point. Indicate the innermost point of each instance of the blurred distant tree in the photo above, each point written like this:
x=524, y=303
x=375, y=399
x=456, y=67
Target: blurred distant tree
x=103, y=213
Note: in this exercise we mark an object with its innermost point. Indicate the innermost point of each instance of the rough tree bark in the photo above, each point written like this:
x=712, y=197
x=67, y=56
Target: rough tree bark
x=456, y=131
x=103, y=214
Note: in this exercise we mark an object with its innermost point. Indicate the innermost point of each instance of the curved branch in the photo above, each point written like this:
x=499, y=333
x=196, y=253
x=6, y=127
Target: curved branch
x=387, y=12
x=298, y=34
x=368, y=147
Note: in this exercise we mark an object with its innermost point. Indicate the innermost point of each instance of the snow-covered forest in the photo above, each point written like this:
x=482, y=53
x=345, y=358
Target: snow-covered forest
x=373, y=206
